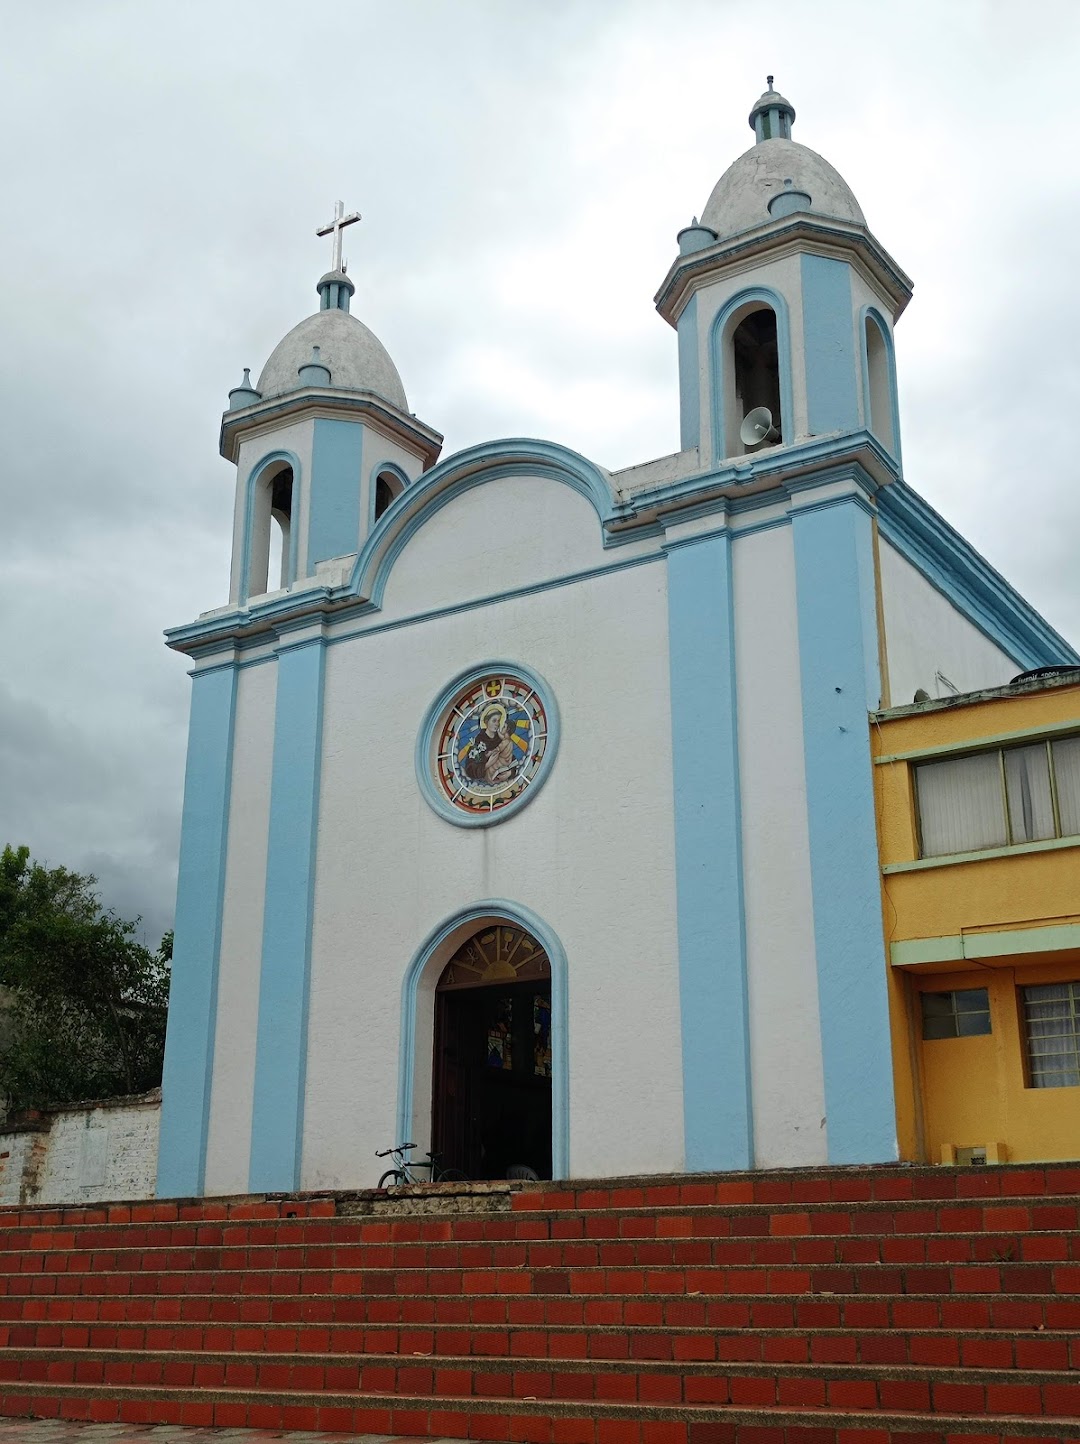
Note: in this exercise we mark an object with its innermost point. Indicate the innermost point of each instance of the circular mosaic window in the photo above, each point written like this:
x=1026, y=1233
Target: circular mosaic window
x=485, y=745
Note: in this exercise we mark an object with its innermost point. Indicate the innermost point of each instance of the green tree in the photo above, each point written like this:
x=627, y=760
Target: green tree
x=87, y=1003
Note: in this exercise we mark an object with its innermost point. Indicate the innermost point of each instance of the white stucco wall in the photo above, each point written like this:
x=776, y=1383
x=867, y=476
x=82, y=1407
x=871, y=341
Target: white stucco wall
x=786, y=1071
x=925, y=634
x=592, y=854
x=229, y=1137
x=84, y=1154
x=510, y=532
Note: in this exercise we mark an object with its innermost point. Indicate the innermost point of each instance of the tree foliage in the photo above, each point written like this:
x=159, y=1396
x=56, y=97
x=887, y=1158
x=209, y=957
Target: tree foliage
x=87, y=1003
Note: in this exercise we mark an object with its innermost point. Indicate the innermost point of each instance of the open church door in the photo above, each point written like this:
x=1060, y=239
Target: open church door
x=492, y=1075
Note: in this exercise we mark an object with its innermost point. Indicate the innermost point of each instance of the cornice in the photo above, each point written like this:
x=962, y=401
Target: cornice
x=797, y=233
x=331, y=402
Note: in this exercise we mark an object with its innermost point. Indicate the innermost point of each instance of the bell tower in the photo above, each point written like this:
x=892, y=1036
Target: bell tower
x=323, y=444
x=784, y=304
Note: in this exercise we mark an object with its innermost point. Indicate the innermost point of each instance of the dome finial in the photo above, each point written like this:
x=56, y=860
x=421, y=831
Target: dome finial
x=772, y=116
x=335, y=288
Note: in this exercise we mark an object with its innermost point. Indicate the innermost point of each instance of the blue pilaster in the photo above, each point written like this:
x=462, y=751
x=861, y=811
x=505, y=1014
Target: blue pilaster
x=708, y=857
x=334, y=509
x=689, y=377
x=189, y=1043
x=838, y=660
x=832, y=382
x=281, y=1043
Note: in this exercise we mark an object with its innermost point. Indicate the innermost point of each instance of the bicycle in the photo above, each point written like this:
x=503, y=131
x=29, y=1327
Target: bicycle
x=403, y=1172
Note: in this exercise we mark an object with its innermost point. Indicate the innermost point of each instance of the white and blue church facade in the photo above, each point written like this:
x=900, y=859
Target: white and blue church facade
x=529, y=810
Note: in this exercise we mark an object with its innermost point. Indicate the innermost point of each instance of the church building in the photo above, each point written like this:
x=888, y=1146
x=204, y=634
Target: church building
x=529, y=813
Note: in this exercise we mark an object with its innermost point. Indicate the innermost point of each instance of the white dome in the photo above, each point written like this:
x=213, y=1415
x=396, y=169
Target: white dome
x=740, y=198
x=357, y=359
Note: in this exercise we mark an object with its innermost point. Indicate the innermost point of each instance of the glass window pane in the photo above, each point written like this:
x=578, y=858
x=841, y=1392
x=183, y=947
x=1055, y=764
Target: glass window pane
x=960, y=804
x=972, y=1000
x=972, y=1025
x=937, y=1005
x=939, y=1027
x=1027, y=781
x=1052, y=1027
x=1067, y=777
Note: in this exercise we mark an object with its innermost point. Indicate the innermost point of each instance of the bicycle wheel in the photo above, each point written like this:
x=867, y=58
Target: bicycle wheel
x=452, y=1175
x=392, y=1178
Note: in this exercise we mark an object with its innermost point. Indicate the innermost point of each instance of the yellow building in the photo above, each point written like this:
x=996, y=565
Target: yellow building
x=978, y=807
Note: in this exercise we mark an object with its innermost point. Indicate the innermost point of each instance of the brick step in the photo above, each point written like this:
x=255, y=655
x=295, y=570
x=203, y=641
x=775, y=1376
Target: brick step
x=531, y=1421
x=898, y=1388
x=1029, y=1214
x=735, y=1280
x=806, y=1311
x=791, y=1250
x=859, y=1184
x=1046, y=1350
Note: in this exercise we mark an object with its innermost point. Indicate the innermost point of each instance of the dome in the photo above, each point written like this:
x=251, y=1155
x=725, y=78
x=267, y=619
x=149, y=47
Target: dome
x=740, y=198
x=357, y=359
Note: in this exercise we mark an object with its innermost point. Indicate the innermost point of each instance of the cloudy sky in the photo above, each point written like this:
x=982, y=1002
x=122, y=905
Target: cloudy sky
x=522, y=169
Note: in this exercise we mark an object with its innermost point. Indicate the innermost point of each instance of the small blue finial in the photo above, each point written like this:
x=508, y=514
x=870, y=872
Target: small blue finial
x=244, y=394
x=314, y=372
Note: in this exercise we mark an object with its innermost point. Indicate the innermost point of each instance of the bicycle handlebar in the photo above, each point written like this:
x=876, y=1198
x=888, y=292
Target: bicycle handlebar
x=401, y=1148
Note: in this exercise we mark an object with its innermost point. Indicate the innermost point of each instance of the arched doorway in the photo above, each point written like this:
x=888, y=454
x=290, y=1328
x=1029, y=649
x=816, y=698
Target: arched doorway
x=491, y=1105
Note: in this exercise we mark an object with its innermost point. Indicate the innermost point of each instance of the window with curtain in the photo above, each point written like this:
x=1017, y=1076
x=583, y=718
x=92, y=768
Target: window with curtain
x=996, y=799
x=1052, y=1032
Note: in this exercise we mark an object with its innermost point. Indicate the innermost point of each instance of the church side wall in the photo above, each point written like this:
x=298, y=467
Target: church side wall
x=785, y=1047
x=926, y=634
x=229, y=1138
x=592, y=854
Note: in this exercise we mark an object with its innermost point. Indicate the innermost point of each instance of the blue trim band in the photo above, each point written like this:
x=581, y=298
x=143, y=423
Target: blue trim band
x=717, y=1109
x=832, y=400
x=281, y=1046
x=425, y=739
x=498, y=909
x=337, y=452
x=689, y=377
x=718, y=352
x=200, y=899
x=838, y=661
x=291, y=459
x=955, y=568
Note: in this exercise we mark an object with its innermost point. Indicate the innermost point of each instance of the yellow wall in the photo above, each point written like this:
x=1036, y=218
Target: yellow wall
x=972, y=1091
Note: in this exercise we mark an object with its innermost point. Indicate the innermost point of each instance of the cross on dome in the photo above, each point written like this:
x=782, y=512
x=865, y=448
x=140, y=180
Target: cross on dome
x=335, y=228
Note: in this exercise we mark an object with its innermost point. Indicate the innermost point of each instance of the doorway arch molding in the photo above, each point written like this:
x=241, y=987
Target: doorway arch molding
x=426, y=965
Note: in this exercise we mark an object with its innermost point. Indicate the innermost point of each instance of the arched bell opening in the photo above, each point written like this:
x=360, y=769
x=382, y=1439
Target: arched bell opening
x=879, y=382
x=492, y=1064
x=271, y=551
x=388, y=487
x=754, y=352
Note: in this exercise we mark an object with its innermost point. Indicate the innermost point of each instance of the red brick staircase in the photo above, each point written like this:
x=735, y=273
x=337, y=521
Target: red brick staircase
x=825, y=1306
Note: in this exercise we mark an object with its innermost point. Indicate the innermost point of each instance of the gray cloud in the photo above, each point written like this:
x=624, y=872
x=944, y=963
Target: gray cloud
x=522, y=170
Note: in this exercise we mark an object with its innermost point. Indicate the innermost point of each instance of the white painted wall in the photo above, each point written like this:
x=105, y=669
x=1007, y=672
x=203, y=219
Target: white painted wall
x=925, y=634
x=592, y=854
x=84, y=1154
x=510, y=532
x=785, y=1046
x=229, y=1137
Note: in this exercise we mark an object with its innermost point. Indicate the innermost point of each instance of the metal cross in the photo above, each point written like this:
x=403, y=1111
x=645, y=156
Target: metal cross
x=335, y=228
